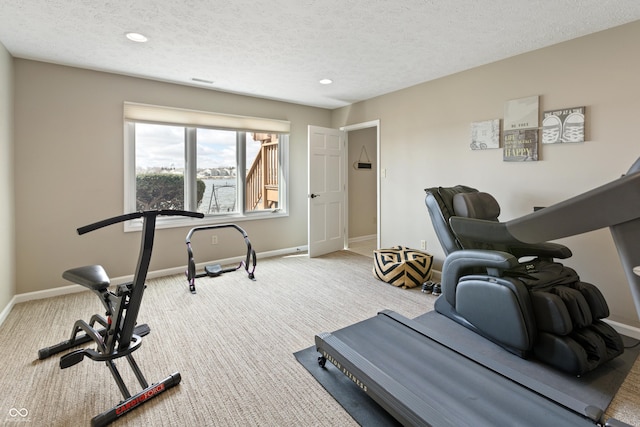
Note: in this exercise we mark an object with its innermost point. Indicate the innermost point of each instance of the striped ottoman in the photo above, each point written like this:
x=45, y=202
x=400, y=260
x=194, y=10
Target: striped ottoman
x=402, y=267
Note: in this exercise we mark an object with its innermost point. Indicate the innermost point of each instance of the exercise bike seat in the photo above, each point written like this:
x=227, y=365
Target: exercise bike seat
x=90, y=276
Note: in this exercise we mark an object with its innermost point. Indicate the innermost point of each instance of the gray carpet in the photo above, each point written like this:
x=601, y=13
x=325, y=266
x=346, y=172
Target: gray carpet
x=233, y=344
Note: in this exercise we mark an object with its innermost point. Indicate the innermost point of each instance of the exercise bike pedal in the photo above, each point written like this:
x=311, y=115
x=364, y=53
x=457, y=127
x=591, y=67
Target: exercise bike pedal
x=71, y=359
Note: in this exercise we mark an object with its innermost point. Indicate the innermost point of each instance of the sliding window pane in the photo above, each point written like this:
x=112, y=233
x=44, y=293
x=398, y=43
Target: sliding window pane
x=159, y=166
x=217, y=170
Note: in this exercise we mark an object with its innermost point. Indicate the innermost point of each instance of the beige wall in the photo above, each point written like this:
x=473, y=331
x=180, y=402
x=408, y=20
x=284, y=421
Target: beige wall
x=425, y=135
x=362, y=183
x=68, y=156
x=69, y=172
x=7, y=265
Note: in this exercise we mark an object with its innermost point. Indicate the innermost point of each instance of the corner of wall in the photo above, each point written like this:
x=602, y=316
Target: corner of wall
x=7, y=204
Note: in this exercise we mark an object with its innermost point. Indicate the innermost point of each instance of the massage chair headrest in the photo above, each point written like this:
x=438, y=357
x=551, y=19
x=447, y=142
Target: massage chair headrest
x=477, y=205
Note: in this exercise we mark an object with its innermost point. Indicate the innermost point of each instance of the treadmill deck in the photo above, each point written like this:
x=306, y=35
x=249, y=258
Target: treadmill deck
x=420, y=381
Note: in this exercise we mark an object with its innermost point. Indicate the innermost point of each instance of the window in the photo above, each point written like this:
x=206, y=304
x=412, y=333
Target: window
x=223, y=166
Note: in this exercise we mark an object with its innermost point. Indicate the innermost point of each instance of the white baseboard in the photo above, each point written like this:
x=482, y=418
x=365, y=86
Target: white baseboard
x=48, y=293
x=624, y=329
x=226, y=261
x=70, y=289
x=5, y=312
x=362, y=238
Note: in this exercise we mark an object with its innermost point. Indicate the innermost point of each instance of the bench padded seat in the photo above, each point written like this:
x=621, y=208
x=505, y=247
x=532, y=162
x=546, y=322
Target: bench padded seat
x=90, y=276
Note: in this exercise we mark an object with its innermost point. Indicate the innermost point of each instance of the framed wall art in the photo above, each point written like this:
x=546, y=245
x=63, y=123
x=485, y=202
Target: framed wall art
x=520, y=145
x=564, y=125
x=521, y=130
x=485, y=135
x=521, y=113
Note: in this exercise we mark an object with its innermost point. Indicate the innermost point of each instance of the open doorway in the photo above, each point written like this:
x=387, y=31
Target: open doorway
x=362, y=192
x=330, y=169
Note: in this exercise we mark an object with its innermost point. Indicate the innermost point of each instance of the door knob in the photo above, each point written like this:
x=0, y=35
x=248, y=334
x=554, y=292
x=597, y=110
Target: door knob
x=313, y=196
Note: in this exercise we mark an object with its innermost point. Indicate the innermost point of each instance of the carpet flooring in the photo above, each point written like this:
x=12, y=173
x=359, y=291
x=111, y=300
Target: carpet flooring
x=233, y=344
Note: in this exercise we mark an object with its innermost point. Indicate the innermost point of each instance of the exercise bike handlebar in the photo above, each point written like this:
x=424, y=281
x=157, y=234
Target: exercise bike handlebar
x=136, y=215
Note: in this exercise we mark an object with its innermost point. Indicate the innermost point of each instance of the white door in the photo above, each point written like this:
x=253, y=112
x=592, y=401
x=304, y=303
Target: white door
x=327, y=191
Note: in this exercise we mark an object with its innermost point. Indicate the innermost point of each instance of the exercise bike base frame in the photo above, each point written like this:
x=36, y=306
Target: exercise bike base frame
x=44, y=353
x=133, y=402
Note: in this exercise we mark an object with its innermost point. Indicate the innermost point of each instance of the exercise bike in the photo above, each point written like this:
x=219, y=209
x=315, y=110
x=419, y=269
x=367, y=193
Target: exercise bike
x=116, y=335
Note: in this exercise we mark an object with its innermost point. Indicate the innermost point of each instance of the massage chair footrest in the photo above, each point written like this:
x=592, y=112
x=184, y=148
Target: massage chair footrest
x=582, y=350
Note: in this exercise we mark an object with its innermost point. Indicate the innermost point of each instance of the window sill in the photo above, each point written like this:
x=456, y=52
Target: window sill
x=178, y=222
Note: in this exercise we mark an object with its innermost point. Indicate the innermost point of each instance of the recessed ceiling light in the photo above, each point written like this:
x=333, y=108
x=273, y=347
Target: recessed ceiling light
x=136, y=37
x=326, y=81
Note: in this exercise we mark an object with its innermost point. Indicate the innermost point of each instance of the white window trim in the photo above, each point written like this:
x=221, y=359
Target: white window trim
x=134, y=112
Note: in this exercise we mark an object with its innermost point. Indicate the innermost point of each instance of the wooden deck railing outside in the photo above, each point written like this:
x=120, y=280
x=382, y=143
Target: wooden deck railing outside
x=262, y=178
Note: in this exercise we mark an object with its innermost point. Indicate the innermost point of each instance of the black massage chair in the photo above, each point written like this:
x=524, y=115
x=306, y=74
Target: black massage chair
x=514, y=293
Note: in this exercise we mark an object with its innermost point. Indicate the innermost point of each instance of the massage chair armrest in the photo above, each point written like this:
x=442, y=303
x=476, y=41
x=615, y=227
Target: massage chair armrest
x=470, y=261
x=547, y=250
x=493, y=232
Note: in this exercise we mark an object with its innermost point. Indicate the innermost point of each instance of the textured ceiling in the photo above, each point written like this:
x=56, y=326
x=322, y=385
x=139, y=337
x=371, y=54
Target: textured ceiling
x=280, y=49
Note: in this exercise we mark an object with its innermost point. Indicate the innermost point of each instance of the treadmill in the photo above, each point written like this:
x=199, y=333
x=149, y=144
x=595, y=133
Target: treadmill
x=423, y=377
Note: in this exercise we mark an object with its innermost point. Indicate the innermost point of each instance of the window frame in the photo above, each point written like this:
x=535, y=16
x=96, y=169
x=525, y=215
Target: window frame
x=190, y=172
